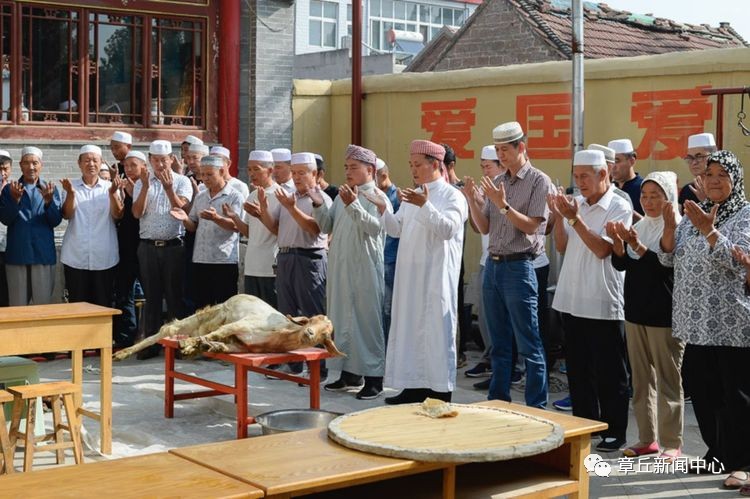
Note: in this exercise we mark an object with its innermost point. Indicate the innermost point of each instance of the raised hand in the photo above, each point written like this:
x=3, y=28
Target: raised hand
x=348, y=194
x=128, y=186
x=262, y=200
x=48, y=192
x=67, y=186
x=669, y=216
x=316, y=197
x=252, y=209
x=376, y=197
x=700, y=189
x=415, y=197
x=166, y=178
x=117, y=184
x=701, y=220
x=494, y=193
x=16, y=191
x=287, y=202
x=567, y=206
x=611, y=230
x=179, y=214
x=741, y=257
x=208, y=214
x=227, y=210
x=144, y=177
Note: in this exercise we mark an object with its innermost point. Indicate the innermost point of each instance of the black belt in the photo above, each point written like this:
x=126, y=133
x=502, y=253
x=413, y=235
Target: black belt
x=177, y=241
x=309, y=252
x=512, y=257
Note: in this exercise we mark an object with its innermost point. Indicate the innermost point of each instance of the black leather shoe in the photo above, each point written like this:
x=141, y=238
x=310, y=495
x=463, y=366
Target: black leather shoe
x=369, y=392
x=342, y=385
x=482, y=385
x=408, y=396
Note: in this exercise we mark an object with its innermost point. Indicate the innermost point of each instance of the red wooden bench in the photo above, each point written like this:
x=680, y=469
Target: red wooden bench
x=243, y=362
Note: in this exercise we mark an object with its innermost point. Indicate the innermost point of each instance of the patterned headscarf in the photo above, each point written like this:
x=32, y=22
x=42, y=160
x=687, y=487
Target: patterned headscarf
x=360, y=153
x=736, y=200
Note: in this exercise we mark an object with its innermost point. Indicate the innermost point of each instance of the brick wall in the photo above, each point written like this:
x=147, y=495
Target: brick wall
x=267, y=49
x=497, y=37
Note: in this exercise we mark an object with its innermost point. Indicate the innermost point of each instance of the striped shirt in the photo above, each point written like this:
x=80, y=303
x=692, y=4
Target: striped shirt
x=527, y=194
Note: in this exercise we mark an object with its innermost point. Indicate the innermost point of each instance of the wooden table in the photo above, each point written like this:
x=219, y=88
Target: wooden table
x=154, y=475
x=242, y=362
x=307, y=462
x=66, y=327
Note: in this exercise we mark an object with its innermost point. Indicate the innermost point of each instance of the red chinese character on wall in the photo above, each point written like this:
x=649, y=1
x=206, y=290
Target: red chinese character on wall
x=450, y=122
x=546, y=120
x=669, y=117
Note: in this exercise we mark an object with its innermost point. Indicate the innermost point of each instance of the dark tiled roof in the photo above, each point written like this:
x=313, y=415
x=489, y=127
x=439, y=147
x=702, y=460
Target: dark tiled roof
x=434, y=48
x=614, y=33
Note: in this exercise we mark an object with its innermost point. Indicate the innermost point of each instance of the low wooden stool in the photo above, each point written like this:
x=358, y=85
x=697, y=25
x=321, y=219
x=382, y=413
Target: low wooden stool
x=6, y=457
x=59, y=393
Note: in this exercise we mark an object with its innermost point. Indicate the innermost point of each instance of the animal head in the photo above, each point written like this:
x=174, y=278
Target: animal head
x=318, y=330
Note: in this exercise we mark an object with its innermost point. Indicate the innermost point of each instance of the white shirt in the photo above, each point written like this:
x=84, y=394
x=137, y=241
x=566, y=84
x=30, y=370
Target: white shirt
x=213, y=243
x=291, y=235
x=90, y=241
x=421, y=349
x=156, y=222
x=589, y=286
x=288, y=186
x=239, y=186
x=262, y=244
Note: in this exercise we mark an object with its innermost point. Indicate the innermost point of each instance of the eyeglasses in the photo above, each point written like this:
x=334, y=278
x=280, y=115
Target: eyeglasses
x=695, y=159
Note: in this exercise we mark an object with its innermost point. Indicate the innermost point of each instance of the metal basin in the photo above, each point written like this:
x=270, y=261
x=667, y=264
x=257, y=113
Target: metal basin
x=294, y=420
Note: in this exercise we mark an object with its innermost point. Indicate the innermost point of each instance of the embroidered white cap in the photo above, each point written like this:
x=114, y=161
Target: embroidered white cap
x=212, y=161
x=123, y=137
x=609, y=153
x=304, y=158
x=221, y=151
x=192, y=139
x=621, y=146
x=32, y=150
x=90, y=148
x=281, y=154
x=489, y=152
x=701, y=140
x=199, y=148
x=4, y=154
x=589, y=158
x=507, y=132
x=160, y=147
x=379, y=164
x=136, y=154
x=259, y=155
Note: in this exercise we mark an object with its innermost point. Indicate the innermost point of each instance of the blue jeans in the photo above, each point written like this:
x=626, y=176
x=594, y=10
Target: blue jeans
x=390, y=273
x=510, y=300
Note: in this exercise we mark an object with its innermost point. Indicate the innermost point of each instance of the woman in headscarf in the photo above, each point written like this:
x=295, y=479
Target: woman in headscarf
x=655, y=355
x=711, y=313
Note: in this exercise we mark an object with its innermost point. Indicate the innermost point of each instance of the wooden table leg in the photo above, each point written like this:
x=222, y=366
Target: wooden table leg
x=240, y=386
x=449, y=482
x=105, y=398
x=313, y=366
x=77, y=378
x=168, y=382
x=580, y=447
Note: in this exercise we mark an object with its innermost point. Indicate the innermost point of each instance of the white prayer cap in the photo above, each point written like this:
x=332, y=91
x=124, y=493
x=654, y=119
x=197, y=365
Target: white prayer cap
x=220, y=151
x=701, y=140
x=609, y=153
x=489, y=152
x=282, y=154
x=32, y=150
x=90, y=148
x=379, y=164
x=621, y=146
x=262, y=156
x=4, y=154
x=212, y=161
x=136, y=154
x=123, y=137
x=67, y=105
x=160, y=147
x=192, y=139
x=304, y=158
x=318, y=157
x=589, y=158
x=507, y=132
x=104, y=167
x=199, y=148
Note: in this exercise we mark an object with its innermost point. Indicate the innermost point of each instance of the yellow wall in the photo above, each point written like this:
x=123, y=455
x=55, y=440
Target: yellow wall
x=392, y=113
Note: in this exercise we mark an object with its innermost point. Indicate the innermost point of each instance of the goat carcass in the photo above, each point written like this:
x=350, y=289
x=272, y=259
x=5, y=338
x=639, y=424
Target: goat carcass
x=243, y=323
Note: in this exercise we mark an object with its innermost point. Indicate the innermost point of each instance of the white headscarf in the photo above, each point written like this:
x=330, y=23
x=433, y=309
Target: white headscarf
x=650, y=229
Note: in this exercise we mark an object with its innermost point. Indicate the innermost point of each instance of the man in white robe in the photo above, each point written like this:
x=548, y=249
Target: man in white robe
x=421, y=353
x=355, y=284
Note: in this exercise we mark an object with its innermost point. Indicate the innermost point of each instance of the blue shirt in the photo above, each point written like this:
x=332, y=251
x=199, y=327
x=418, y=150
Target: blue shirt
x=391, y=243
x=31, y=236
x=633, y=188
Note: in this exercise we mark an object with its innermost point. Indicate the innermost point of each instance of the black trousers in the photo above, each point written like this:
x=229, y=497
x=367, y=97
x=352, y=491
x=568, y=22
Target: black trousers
x=262, y=287
x=214, y=283
x=125, y=325
x=162, y=271
x=93, y=286
x=598, y=379
x=719, y=380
